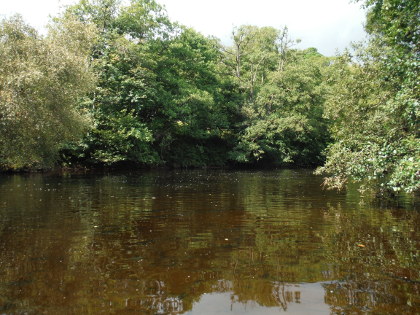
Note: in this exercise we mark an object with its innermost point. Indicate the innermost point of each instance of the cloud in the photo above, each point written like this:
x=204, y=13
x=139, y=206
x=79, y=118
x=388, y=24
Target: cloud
x=36, y=13
x=325, y=24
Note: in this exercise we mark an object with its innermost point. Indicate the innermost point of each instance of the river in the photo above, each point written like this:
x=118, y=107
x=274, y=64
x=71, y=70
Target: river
x=203, y=242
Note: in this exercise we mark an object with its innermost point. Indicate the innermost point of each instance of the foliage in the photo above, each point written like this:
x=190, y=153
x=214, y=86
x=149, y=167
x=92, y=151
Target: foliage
x=159, y=75
x=41, y=82
x=167, y=95
x=256, y=51
x=375, y=105
x=164, y=94
x=194, y=110
x=396, y=22
x=284, y=123
x=125, y=86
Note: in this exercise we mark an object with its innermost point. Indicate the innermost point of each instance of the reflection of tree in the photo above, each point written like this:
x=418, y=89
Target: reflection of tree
x=156, y=243
x=374, y=261
x=266, y=293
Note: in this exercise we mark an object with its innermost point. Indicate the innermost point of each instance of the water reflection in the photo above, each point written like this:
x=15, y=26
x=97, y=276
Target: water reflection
x=202, y=242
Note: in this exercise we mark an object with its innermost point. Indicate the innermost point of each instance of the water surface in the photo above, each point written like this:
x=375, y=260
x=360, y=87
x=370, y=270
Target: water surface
x=202, y=242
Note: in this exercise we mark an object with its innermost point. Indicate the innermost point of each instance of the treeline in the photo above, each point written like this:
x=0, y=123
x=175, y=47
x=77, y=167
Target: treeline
x=113, y=84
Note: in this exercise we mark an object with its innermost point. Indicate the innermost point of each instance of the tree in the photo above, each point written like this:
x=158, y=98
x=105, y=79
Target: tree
x=123, y=101
x=256, y=51
x=159, y=98
x=193, y=109
x=375, y=105
x=284, y=125
x=41, y=81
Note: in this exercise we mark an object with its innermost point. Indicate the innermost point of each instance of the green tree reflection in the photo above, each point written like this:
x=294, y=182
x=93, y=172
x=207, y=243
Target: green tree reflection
x=159, y=242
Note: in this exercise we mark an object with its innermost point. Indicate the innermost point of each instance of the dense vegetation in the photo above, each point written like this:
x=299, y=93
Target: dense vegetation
x=374, y=104
x=41, y=81
x=113, y=84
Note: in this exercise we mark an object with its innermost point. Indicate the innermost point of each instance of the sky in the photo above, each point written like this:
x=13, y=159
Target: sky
x=328, y=25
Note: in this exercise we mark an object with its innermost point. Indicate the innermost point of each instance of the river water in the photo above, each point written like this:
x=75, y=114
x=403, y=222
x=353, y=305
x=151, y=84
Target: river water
x=203, y=242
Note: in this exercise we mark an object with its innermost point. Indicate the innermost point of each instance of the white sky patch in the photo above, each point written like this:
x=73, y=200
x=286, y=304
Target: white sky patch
x=35, y=12
x=325, y=24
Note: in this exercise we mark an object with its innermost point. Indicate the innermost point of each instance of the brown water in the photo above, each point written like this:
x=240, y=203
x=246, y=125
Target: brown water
x=202, y=242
